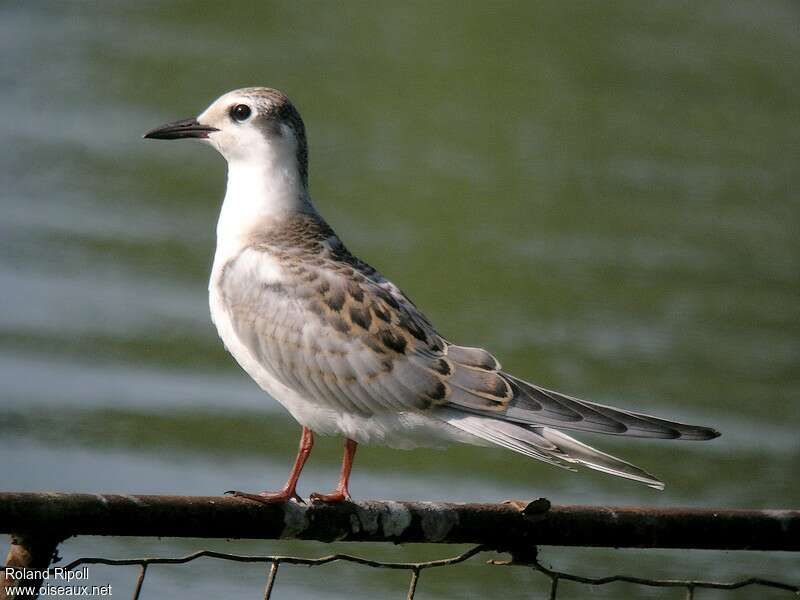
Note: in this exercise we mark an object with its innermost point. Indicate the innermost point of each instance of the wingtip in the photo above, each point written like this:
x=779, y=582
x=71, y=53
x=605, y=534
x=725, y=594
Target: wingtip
x=710, y=433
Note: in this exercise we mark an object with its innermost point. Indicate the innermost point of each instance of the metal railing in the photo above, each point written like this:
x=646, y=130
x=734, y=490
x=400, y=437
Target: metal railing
x=38, y=523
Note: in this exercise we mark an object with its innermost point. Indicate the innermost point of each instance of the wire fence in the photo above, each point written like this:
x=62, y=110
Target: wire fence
x=519, y=529
x=415, y=569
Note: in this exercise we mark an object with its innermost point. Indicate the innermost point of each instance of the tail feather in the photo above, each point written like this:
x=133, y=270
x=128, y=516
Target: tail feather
x=599, y=461
x=507, y=435
x=545, y=444
x=506, y=411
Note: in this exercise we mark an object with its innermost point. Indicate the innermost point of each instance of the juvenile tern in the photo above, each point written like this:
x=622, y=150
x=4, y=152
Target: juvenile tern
x=340, y=346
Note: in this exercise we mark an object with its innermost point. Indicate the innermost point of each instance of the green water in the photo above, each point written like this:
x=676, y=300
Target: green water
x=605, y=195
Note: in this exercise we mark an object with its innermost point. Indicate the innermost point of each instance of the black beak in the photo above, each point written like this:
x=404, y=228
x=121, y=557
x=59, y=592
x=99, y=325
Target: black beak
x=186, y=128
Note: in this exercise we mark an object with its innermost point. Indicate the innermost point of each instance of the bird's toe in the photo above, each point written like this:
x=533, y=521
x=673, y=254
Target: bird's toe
x=279, y=497
x=332, y=498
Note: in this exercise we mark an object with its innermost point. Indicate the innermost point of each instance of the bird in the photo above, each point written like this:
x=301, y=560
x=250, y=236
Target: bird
x=340, y=346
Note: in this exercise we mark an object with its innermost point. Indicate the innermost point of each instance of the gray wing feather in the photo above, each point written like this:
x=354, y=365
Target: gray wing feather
x=348, y=344
x=533, y=404
x=492, y=392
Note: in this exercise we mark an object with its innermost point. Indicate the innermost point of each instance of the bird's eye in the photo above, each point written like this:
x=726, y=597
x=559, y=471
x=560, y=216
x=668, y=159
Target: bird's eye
x=240, y=112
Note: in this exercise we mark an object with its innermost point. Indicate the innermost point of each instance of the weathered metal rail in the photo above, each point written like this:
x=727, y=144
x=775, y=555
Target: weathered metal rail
x=38, y=522
x=501, y=526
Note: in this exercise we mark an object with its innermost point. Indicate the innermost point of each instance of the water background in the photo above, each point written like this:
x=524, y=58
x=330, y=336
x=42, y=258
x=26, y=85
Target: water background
x=603, y=194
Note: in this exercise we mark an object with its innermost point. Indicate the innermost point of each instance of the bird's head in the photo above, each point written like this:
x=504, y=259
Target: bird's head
x=251, y=128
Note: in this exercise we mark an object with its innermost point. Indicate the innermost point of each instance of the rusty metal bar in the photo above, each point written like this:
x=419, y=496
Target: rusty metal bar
x=508, y=526
x=28, y=556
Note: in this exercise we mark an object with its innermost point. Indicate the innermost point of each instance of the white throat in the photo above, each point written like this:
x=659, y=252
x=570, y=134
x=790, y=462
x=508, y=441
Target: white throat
x=260, y=190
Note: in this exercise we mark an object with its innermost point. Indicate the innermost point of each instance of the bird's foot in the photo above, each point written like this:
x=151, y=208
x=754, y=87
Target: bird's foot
x=267, y=497
x=332, y=498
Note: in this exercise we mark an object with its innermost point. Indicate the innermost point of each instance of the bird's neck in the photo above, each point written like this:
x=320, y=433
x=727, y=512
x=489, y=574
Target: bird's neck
x=258, y=196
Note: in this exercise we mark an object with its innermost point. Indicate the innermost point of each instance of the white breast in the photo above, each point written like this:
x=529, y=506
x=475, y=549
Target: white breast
x=305, y=412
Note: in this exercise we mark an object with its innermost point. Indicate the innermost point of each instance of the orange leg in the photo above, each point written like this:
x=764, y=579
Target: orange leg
x=289, y=490
x=342, y=493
